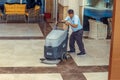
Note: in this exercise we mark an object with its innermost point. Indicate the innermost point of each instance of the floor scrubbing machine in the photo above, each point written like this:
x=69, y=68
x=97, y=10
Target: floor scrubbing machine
x=55, y=49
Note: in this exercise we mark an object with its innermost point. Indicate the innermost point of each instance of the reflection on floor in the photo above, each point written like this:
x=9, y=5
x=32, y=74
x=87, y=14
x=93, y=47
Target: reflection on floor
x=19, y=59
x=97, y=53
x=97, y=76
x=53, y=76
x=20, y=30
x=22, y=53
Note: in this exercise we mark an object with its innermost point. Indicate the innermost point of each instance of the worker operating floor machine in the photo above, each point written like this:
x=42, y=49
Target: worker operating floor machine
x=55, y=49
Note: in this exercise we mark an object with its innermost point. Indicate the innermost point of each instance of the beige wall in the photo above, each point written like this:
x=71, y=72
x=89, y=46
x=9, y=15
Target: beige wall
x=62, y=11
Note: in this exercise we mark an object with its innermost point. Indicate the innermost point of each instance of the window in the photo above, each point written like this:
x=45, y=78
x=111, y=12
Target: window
x=13, y=1
x=24, y=1
x=2, y=1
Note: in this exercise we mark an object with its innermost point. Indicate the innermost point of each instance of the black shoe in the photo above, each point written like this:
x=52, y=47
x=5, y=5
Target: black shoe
x=81, y=53
x=71, y=51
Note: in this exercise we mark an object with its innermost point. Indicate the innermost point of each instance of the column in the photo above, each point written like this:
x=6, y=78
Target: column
x=81, y=10
x=20, y=1
x=114, y=72
x=55, y=9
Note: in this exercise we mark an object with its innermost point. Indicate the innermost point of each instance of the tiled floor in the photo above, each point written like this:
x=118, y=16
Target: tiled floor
x=53, y=76
x=19, y=59
x=20, y=30
x=98, y=52
x=97, y=76
x=22, y=53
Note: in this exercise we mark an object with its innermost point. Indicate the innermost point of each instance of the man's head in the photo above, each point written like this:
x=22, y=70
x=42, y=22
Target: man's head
x=71, y=13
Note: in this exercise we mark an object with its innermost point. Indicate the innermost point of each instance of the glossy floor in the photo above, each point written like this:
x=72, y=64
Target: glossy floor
x=20, y=30
x=53, y=76
x=22, y=53
x=97, y=76
x=19, y=58
x=98, y=52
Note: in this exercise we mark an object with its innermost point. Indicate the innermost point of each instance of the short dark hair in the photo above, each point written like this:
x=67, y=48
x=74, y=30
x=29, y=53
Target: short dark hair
x=70, y=11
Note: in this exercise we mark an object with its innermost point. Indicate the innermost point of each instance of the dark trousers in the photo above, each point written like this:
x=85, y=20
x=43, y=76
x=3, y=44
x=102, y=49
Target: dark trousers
x=76, y=36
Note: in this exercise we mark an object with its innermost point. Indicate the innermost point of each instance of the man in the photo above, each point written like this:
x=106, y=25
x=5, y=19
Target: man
x=77, y=34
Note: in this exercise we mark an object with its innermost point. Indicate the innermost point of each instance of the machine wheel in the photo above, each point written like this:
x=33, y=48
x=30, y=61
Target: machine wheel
x=65, y=56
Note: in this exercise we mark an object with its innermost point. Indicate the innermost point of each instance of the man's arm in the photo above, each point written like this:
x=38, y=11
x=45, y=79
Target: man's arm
x=76, y=22
x=72, y=25
x=68, y=23
x=65, y=20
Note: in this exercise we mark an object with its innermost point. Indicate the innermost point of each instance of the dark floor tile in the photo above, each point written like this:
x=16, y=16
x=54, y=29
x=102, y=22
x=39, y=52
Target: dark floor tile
x=93, y=69
x=73, y=76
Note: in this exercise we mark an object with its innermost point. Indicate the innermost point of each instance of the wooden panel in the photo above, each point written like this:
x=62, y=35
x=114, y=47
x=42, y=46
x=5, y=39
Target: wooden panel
x=49, y=6
x=65, y=11
x=62, y=11
x=114, y=73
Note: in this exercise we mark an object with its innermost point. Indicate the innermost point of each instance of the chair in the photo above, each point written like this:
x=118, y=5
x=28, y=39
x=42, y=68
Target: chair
x=1, y=14
x=33, y=14
x=15, y=11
